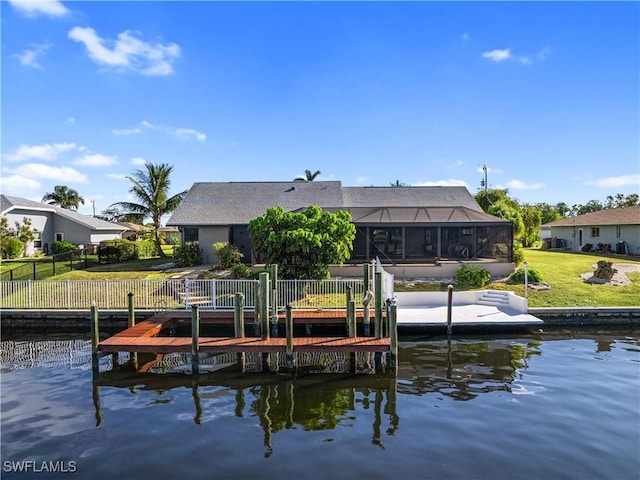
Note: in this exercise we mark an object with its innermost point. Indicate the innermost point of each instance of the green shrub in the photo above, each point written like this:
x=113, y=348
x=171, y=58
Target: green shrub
x=228, y=255
x=472, y=275
x=187, y=255
x=146, y=248
x=587, y=247
x=240, y=270
x=63, y=246
x=533, y=276
x=518, y=256
x=121, y=249
x=12, y=247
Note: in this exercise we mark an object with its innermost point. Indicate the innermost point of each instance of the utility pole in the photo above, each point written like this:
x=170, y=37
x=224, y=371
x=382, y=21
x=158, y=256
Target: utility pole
x=484, y=183
x=93, y=203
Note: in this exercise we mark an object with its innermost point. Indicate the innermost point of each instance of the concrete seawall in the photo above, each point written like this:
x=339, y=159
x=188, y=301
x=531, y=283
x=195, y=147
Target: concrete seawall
x=72, y=319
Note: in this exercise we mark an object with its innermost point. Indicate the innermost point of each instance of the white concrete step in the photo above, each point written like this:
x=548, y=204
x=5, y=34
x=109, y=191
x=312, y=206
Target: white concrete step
x=494, y=298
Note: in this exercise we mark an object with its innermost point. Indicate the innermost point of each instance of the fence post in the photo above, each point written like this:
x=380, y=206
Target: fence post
x=214, y=294
x=34, y=270
x=132, y=313
x=378, y=304
x=238, y=316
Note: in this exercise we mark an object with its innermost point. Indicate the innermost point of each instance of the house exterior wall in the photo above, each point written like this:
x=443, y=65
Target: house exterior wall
x=608, y=234
x=40, y=221
x=207, y=236
x=81, y=235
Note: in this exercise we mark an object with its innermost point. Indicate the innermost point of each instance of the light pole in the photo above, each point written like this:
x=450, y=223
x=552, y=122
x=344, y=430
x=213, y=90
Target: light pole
x=526, y=280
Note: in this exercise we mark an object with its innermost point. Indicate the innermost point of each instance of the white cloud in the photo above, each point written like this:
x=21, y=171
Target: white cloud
x=619, y=181
x=497, y=55
x=184, y=133
x=18, y=184
x=190, y=133
x=117, y=176
x=45, y=151
x=43, y=171
x=96, y=160
x=490, y=170
x=29, y=57
x=70, y=120
x=451, y=182
x=128, y=52
x=502, y=55
x=31, y=8
x=126, y=131
x=138, y=161
x=516, y=184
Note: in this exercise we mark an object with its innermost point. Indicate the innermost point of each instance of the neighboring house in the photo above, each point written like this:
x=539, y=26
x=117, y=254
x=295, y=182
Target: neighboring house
x=54, y=224
x=617, y=227
x=400, y=225
x=134, y=231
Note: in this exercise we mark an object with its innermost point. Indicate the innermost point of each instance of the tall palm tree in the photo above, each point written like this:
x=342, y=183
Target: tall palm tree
x=151, y=189
x=64, y=197
x=308, y=176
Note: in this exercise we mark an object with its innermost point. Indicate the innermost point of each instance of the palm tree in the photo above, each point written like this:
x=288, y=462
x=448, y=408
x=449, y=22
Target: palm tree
x=308, y=176
x=151, y=189
x=64, y=197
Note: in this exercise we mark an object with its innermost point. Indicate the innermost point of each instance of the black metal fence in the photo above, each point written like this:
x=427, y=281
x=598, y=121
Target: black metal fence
x=46, y=267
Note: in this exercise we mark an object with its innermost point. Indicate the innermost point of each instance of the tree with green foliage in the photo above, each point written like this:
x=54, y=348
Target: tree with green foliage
x=532, y=221
x=303, y=244
x=498, y=203
x=548, y=213
x=151, y=189
x=63, y=197
x=25, y=233
x=308, y=176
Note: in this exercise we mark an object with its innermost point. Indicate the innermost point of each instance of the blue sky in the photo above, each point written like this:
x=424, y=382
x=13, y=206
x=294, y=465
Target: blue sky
x=546, y=95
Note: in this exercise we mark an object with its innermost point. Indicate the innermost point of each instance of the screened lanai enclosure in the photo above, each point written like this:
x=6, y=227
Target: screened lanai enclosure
x=426, y=235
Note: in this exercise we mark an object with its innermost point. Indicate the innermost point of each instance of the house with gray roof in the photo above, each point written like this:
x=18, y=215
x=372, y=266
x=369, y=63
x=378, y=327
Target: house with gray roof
x=54, y=224
x=617, y=228
x=399, y=225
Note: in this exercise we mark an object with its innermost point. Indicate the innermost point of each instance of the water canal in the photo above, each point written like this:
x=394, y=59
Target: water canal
x=554, y=405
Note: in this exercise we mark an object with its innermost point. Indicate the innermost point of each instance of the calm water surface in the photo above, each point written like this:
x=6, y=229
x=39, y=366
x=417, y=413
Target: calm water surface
x=549, y=407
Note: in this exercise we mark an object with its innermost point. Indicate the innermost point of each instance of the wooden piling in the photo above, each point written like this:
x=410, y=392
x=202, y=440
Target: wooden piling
x=273, y=271
x=289, y=333
x=263, y=297
x=95, y=337
x=351, y=316
x=195, y=339
x=449, y=307
x=132, y=313
x=393, y=335
x=238, y=323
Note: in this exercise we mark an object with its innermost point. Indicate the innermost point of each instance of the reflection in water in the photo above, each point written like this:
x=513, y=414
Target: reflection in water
x=460, y=369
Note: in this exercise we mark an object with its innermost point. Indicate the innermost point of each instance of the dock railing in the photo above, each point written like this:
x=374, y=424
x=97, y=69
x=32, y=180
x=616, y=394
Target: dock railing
x=215, y=294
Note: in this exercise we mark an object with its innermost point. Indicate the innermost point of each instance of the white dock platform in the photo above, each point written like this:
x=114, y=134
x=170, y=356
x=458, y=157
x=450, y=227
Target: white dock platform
x=486, y=308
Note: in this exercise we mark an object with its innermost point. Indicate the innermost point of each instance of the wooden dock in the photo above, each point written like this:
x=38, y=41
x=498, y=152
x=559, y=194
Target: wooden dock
x=143, y=337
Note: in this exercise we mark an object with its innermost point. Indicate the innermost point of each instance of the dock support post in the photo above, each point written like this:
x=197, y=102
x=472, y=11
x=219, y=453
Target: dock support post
x=195, y=340
x=289, y=333
x=378, y=304
x=273, y=271
x=238, y=323
x=348, y=296
x=95, y=338
x=366, y=277
x=393, y=335
x=351, y=318
x=449, y=307
x=263, y=304
x=132, y=313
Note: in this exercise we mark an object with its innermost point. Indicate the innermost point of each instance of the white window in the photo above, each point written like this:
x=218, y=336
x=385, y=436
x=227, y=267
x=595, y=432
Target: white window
x=37, y=239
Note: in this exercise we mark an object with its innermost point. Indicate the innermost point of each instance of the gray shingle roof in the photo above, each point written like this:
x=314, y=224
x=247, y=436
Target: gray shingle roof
x=234, y=203
x=609, y=216
x=8, y=203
